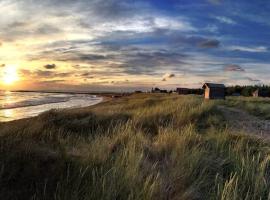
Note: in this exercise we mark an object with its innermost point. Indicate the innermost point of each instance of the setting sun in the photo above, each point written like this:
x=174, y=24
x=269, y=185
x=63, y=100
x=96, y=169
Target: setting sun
x=10, y=75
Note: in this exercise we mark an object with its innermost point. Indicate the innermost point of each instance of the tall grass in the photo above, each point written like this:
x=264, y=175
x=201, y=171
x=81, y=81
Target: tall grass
x=258, y=106
x=138, y=147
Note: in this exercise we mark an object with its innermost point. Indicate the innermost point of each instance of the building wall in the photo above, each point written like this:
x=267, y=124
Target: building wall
x=259, y=93
x=256, y=93
x=207, y=93
x=217, y=93
x=214, y=93
x=182, y=91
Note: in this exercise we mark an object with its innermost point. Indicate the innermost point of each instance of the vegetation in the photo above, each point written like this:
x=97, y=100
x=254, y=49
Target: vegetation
x=247, y=90
x=143, y=146
x=255, y=106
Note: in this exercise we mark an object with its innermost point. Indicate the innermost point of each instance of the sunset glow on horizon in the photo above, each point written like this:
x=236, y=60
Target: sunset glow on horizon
x=126, y=45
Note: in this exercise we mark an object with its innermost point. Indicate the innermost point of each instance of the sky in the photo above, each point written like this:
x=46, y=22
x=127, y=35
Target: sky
x=125, y=45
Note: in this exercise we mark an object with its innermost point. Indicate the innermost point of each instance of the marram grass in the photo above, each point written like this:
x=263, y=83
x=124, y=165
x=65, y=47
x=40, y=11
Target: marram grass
x=139, y=147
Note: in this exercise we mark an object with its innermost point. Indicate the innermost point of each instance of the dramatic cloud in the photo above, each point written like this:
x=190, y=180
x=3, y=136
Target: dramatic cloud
x=99, y=43
x=50, y=66
x=235, y=68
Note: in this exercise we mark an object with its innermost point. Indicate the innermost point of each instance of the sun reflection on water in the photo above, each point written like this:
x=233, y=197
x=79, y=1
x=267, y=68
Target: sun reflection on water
x=7, y=99
x=8, y=113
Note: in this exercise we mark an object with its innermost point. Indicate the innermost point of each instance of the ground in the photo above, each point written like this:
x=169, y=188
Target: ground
x=239, y=120
x=139, y=147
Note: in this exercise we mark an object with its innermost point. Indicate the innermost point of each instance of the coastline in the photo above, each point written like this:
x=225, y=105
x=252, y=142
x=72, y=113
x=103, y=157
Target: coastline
x=32, y=111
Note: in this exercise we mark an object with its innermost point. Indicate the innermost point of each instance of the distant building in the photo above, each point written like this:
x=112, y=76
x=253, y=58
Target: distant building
x=116, y=96
x=236, y=94
x=157, y=90
x=138, y=91
x=214, y=91
x=183, y=91
x=260, y=93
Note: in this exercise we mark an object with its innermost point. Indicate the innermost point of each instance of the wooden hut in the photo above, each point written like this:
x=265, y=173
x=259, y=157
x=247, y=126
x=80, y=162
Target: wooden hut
x=182, y=91
x=157, y=90
x=214, y=91
x=260, y=93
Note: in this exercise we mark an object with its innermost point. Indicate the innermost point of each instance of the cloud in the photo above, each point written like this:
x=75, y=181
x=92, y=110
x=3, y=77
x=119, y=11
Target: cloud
x=225, y=20
x=130, y=39
x=47, y=29
x=72, y=54
x=216, y=2
x=19, y=24
x=194, y=41
x=167, y=76
x=233, y=68
x=253, y=80
x=87, y=75
x=51, y=81
x=50, y=66
x=210, y=43
x=254, y=49
x=37, y=74
x=41, y=73
x=212, y=28
x=25, y=72
x=71, y=19
x=119, y=58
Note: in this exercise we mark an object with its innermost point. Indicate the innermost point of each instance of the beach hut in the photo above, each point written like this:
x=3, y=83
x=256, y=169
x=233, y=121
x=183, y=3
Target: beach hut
x=214, y=91
x=157, y=90
x=182, y=91
x=260, y=93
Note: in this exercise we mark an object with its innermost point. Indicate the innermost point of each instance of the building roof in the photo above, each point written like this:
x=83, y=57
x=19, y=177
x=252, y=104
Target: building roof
x=213, y=85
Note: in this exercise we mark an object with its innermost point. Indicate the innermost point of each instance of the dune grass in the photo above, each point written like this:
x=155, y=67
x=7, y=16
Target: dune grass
x=258, y=106
x=138, y=147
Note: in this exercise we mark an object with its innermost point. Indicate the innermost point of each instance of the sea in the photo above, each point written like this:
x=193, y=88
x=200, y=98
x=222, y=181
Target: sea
x=19, y=105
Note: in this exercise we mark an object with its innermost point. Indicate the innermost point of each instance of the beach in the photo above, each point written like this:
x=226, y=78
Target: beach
x=19, y=105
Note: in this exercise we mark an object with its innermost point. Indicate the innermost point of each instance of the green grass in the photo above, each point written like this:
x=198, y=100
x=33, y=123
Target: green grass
x=256, y=106
x=139, y=147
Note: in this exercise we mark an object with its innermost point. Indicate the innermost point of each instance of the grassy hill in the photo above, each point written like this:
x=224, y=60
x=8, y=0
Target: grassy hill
x=138, y=147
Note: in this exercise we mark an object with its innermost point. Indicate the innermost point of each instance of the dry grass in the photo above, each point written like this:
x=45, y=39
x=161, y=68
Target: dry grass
x=256, y=106
x=138, y=147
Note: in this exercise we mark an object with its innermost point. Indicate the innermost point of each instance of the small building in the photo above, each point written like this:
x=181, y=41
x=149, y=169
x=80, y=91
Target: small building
x=214, y=91
x=260, y=93
x=236, y=94
x=157, y=90
x=183, y=91
x=138, y=91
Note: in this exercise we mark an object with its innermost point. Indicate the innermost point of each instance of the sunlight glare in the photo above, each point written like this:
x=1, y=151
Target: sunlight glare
x=10, y=74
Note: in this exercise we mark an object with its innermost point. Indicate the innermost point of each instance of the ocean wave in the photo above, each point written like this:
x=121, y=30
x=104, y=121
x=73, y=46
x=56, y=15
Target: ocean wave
x=34, y=102
x=10, y=100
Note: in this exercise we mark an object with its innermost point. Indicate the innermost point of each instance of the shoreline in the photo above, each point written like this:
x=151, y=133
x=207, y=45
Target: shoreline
x=105, y=93
x=36, y=114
